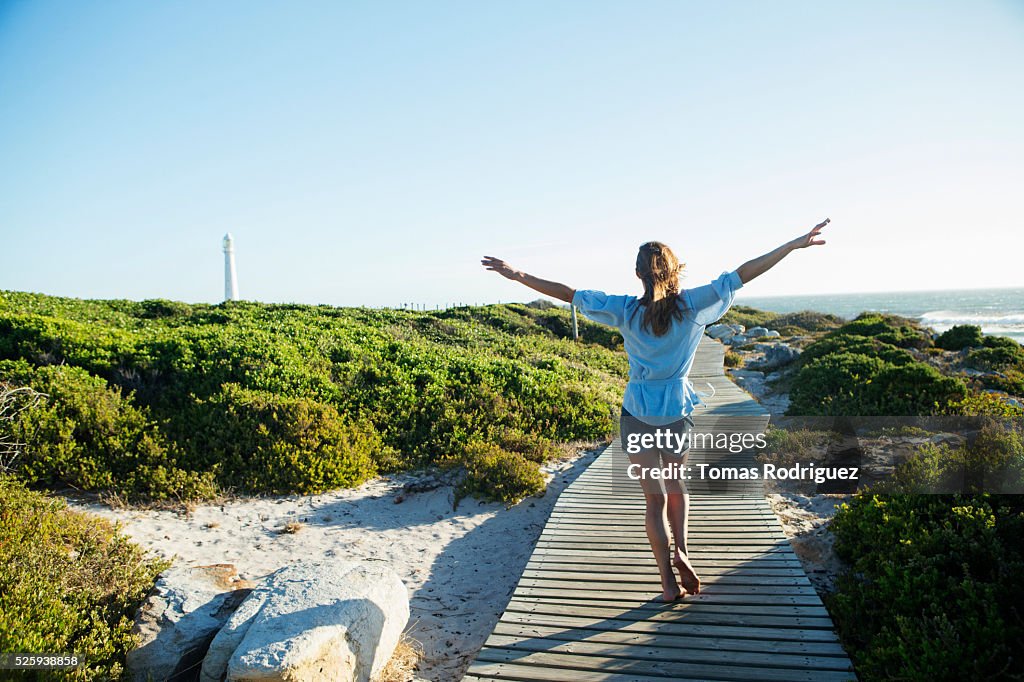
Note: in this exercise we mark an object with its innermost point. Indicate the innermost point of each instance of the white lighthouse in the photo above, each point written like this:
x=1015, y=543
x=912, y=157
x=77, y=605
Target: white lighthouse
x=230, y=278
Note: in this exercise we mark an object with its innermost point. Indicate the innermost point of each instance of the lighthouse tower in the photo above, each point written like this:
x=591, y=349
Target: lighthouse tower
x=230, y=277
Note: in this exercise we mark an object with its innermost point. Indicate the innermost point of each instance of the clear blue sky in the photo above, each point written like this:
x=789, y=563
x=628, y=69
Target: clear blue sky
x=370, y=153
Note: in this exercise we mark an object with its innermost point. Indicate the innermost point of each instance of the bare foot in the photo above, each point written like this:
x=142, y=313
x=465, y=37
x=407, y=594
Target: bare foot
x=670, y=591
x=669, y=596
x=687, y=576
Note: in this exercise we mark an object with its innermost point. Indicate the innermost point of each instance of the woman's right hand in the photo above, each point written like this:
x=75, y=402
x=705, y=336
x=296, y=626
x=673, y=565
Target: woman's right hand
x=499, y=266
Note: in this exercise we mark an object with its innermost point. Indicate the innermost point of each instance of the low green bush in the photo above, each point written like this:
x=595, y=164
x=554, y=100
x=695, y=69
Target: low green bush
x=855, y=384
x=863, y=368
x=834, y=385
x=995, y=358
x=259, y=442
x=984, y=404
x=892, y=329
x=807, y=321
x=991, y=461
x=69, y=584
x=492, y=473
x=959, y=336
x=934, y=586
x=87, y=435
x=911, y=389
x=859, y=345
x=747, y=316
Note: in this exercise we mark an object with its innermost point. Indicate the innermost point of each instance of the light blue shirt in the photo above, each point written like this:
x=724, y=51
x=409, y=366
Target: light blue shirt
x=659, y=366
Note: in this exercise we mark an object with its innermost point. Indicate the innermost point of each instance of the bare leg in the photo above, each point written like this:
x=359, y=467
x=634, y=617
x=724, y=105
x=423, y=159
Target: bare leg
x=679, y=520
x=657, y=535
x=678, y=517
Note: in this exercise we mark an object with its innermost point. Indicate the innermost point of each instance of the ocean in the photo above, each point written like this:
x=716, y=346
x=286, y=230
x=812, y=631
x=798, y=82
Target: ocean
x=998, y=312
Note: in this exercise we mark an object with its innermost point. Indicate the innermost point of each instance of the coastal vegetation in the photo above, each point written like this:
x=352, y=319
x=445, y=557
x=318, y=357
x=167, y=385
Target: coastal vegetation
x=165, y=401
x=935, y=582
x=69, y=584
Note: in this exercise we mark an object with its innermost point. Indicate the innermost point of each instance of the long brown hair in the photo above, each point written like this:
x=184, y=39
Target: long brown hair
x=659, y=270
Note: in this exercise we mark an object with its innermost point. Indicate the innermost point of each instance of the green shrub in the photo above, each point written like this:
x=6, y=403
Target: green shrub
x=859, y=345
x=806, y=321
x=912, y=389
x=892, y=329
x=69, y=583
x=1000, y=342
x=260, y=442
x=87, y=435
x=732, y=358
x=863, y=368
x=747, y=316
x=783, y=445
x=960, y=336
x=984, y=404
x=995, y=358
x=495, y=474
x=160, y=308
x=834, y=385
x=934, y=587
x=992, y=461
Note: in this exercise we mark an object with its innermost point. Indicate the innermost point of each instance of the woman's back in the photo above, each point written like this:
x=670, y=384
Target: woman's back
x=659, y=364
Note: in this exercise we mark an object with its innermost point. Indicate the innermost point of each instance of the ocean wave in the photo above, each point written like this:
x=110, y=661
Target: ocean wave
x=1014, y=320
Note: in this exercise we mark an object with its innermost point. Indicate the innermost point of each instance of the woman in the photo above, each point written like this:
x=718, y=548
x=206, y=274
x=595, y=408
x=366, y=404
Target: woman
x=660, y=332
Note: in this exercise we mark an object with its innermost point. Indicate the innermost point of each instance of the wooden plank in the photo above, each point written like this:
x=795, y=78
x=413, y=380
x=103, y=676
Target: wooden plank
x=649, y=578
x=719, y=596
x=710, y=568
x=670, y=669
x=693, y=651
x=690, y=625
x=649, y=634
x=646, y=609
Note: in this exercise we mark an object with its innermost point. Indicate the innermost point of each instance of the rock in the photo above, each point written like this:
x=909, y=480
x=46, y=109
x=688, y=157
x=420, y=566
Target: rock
x=179, y=618
x=763, y=347
x=757, y=332
x=719, y=331
x=778, y=355
x=337, y=620
x=738, y=328
x=748, y=380
x=737, y=340
x=773, y=334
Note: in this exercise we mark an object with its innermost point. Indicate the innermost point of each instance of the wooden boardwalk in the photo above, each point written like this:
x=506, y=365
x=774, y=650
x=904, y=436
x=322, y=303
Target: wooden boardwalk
x=584, y=608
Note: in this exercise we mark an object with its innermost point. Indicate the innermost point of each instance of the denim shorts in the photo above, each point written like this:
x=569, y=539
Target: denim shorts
x=631, y=426
x=640, y=459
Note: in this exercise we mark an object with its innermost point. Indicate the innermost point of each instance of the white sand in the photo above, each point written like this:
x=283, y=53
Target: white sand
x=460, y=567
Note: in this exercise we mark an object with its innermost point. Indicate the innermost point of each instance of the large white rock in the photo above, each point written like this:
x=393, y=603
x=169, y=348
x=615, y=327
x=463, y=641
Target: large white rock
x=779, y=355
x=180, y=617
x=329, y=620
x=719, y=331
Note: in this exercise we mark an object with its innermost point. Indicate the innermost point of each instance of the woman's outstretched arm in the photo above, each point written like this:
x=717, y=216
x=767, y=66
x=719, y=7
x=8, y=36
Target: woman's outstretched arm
x=553, y=289
x=762, y=264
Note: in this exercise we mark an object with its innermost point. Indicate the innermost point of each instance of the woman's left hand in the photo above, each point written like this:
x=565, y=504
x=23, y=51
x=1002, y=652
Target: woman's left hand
x=499, y=266
x=810, y=239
